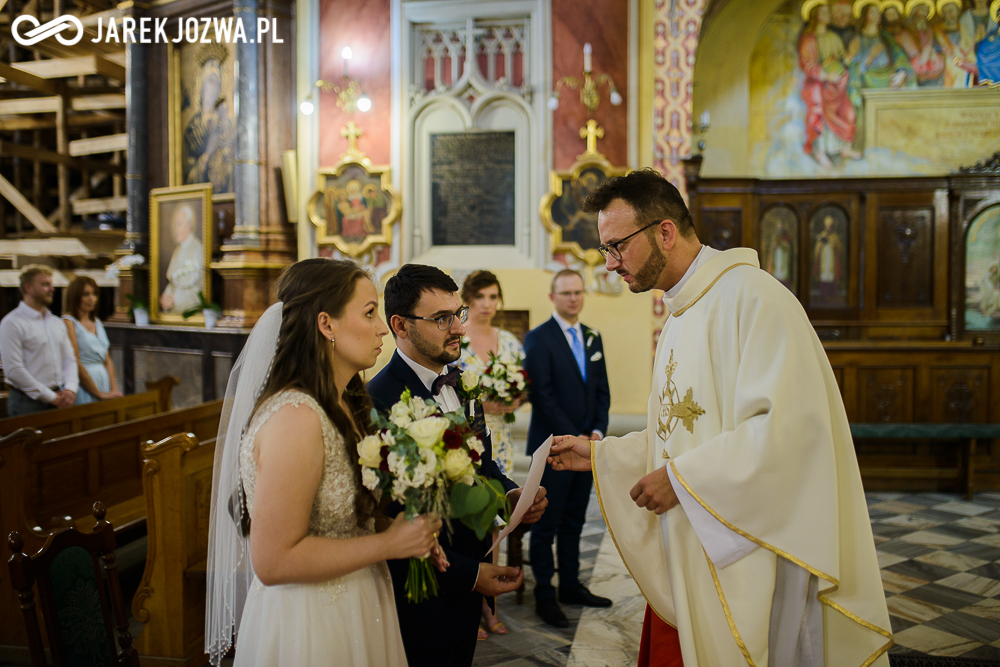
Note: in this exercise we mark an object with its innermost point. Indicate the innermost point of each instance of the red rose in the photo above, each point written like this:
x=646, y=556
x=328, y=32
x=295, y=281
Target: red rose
x=474, y=455
x=384, y=452
x=452, y=439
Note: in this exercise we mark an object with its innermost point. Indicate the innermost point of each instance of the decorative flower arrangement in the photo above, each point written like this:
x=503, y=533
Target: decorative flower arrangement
x=428, y=461
x=505, y=381
x=124, y=262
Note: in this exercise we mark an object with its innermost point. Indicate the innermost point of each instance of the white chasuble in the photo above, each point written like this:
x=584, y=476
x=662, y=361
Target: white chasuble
x=746, y=412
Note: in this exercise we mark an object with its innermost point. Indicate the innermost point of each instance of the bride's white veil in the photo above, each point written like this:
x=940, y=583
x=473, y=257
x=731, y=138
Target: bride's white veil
x=229, y=571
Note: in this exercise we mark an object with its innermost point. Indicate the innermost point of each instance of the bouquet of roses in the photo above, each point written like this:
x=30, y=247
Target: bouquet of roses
x=505, y=381
x=428, y=461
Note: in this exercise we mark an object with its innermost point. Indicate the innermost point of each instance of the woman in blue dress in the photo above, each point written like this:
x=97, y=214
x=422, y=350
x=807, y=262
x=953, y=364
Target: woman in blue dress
x=98, y=380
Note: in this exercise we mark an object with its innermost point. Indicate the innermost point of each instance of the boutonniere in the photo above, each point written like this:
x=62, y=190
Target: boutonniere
x=469, y=389
x=591, y=337
x=596, y=356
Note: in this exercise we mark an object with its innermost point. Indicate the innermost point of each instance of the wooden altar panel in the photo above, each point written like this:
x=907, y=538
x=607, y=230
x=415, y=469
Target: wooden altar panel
x=960, y=395
x=905, y=257
x=886, y=394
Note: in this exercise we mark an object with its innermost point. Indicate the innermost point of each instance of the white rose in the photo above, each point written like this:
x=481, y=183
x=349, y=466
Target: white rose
x=400, y=415
x=487, y=381
x=456, y=464
x=369, y=451
x=507, y=359
x=428, y=431
x=418, y=478
x=475, y=445
x=387, y=438
x=369, y=478
x=468, y=480
x=422, y=409
x=470, y=380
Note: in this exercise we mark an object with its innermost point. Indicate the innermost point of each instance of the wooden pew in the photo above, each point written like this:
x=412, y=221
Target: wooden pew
x=170, y=601
x=47, y=484
x=89, y=416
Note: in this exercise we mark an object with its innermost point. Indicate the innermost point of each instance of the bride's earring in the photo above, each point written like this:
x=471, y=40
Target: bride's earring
x=333, y=343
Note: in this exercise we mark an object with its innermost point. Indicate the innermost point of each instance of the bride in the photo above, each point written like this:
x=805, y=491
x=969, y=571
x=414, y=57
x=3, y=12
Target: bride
x=305, y=582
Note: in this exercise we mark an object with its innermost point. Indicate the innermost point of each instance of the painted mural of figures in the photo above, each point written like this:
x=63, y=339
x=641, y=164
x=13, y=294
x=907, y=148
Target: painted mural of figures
x=210, y=134
x=830, y=116
x=976, y=21
x=917, y=40
x=828, y=265
x=354, y=215
x=841, y=21
x=877, y=60
x=957, y=45
x=988, y=50
x=892, y=17
x=378, y=208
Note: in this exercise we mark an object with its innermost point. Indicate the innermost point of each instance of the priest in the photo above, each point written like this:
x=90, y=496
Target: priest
x=739, y=510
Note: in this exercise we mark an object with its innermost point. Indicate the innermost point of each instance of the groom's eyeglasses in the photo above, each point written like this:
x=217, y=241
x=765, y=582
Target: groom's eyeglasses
x=614, y=250
x=444, y=322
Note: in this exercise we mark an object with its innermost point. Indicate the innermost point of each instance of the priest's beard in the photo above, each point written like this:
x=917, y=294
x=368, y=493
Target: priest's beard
x=646, y=278
x=439, y=354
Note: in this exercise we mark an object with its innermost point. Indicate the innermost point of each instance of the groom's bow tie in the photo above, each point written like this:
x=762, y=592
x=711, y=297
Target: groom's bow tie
x=449, y=378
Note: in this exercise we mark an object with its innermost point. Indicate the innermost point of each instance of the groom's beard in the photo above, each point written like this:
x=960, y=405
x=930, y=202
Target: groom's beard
x=649, y=274
x=439, y=355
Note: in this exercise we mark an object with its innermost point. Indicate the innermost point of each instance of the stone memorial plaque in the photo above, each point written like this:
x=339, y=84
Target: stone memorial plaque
x=472, y=188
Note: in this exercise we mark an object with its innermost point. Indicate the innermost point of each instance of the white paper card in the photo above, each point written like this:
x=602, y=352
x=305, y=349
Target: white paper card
x=528, y=491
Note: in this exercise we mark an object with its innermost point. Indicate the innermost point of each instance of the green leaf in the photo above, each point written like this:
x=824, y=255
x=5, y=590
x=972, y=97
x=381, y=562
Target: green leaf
x=468, y=500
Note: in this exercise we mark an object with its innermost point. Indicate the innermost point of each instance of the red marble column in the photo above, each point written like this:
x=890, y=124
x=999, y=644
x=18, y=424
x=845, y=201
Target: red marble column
x=604, y=24
x=364, y=26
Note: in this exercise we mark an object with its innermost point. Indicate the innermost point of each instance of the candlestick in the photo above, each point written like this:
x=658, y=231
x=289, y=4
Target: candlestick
x=587, y=50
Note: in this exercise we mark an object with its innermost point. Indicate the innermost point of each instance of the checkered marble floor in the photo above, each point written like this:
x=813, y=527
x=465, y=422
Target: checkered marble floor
x=940, y=561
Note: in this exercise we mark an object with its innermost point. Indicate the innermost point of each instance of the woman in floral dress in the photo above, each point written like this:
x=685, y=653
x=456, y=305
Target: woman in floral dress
x=482, y=294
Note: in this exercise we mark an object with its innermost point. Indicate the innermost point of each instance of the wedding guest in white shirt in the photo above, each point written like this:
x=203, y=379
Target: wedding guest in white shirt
x=37, y=357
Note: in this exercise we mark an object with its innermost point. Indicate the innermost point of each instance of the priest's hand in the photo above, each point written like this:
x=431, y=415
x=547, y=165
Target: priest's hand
x=570, y=452
x=655, y=492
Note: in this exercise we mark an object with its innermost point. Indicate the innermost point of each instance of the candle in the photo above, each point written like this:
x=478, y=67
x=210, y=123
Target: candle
x=587, y=50
x=704, y=120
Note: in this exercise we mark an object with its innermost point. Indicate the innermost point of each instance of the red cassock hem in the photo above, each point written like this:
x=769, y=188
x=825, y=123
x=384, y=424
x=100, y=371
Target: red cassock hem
x=660, y=645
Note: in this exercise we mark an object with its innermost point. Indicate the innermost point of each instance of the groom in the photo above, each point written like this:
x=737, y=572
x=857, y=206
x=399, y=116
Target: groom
x=426, y=317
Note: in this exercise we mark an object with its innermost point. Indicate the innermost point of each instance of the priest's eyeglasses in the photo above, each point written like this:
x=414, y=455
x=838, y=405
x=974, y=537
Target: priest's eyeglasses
x=614, y=250
x=445, y=321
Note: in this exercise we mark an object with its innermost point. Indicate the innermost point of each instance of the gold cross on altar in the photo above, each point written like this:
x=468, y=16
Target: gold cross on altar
x=592, y=133
x=351, y=133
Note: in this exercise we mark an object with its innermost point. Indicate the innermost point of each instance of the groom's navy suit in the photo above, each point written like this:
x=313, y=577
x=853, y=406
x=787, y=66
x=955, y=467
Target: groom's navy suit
x=442, y=631
x=563, y=403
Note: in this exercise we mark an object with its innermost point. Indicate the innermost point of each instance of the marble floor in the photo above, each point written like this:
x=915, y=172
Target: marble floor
x=940, y=562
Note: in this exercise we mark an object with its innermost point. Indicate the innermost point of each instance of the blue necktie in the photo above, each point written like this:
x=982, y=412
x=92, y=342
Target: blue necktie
x=581, y=359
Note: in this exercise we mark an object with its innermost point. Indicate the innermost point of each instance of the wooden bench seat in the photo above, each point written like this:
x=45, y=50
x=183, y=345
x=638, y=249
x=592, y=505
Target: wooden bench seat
x=969, y=435
x=48, y=484
x=170, y=600
x=90, y=416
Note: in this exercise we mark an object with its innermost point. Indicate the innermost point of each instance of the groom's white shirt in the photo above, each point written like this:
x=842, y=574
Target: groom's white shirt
x=448, y=398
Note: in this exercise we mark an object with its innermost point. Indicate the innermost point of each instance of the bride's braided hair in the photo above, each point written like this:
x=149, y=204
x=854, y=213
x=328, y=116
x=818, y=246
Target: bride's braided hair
x=302, y=359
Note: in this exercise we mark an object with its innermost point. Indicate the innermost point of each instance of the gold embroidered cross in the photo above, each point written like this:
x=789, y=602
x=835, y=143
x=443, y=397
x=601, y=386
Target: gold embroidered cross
x=673, y=409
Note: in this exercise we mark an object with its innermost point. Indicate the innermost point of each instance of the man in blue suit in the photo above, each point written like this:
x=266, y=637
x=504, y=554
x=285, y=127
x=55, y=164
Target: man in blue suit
x=569, y=394
x=426, y=316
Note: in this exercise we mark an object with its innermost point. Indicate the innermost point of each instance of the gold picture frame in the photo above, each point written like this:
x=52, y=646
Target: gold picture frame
x=170, y=211
x=356, y=198
x=561, y=209
x=202, y=146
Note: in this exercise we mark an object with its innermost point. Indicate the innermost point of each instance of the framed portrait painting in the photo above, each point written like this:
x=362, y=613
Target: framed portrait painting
x=202, y=116
x=829, y=236
x=982, y=272
x=180, y=251
x=354, y=208
x=779, y=245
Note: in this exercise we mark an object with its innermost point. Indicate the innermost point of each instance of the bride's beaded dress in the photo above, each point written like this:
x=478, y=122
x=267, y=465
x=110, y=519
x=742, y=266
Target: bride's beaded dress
x=347, y=621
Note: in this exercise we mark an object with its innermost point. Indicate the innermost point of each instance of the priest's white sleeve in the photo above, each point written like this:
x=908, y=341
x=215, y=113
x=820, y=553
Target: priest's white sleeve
x=723, y=546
